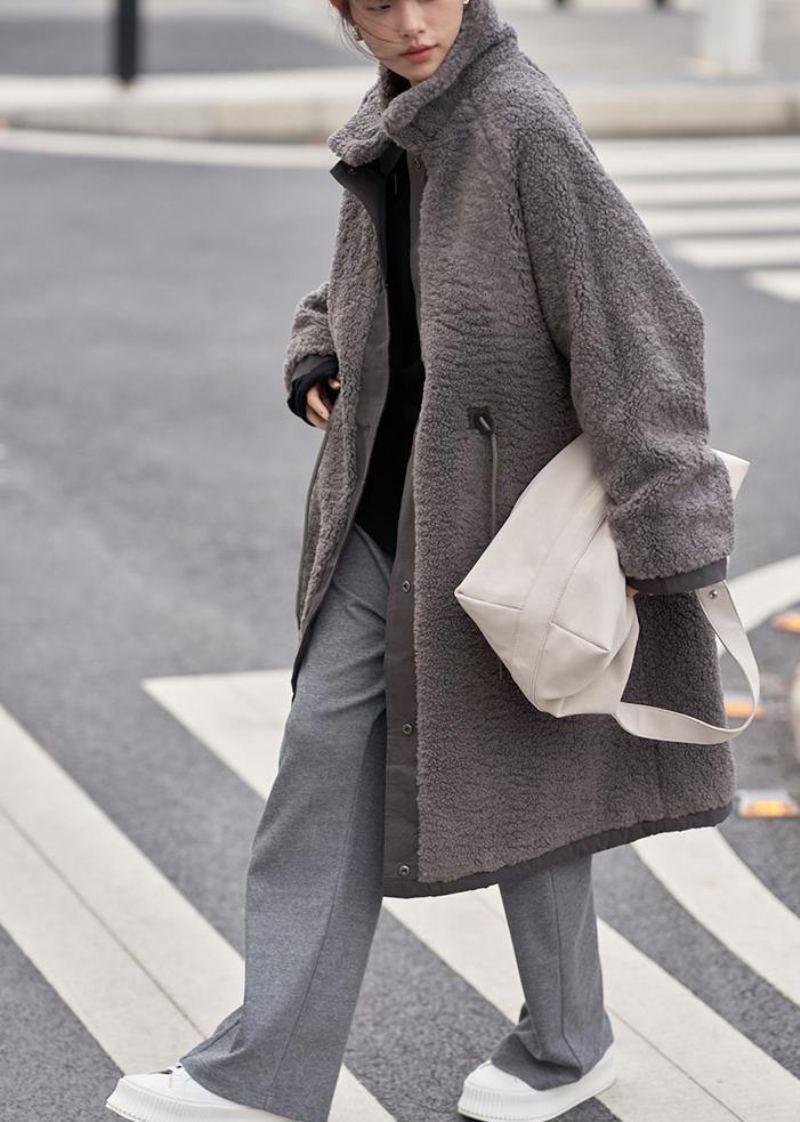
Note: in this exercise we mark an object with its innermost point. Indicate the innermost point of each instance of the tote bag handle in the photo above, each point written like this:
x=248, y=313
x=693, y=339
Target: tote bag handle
x=663, y=724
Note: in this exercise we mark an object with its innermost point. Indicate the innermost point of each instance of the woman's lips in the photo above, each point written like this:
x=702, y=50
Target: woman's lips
x=422, y=52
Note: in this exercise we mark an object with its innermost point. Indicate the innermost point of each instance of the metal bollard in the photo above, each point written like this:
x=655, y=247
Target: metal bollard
x=731, y=36
x=126, y=38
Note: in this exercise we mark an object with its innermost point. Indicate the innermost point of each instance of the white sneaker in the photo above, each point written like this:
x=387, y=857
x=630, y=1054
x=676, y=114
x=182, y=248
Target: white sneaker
x=173, y=1096
x=493, y=1095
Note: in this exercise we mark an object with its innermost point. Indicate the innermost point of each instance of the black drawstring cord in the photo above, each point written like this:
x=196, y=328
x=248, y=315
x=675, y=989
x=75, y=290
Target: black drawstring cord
x=484, y=422
x=493, y=438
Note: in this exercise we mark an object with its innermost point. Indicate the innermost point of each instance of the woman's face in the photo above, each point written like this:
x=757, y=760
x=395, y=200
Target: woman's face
x=391, y=28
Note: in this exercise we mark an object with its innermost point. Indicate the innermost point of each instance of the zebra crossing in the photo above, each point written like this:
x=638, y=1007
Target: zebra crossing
x=147, y=975
x=719, y=203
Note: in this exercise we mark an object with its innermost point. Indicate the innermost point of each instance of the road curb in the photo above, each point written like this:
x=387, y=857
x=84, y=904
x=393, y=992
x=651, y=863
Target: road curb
x=307, y=105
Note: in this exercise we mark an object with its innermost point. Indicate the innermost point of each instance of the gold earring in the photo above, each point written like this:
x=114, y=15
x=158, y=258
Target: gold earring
x=357, y=31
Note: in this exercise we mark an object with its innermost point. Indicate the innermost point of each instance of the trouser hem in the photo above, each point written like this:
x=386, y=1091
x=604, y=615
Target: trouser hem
x=277, y=1104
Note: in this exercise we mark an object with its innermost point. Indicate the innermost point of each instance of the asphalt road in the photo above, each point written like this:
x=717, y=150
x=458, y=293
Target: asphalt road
x=153, y=483
x=609, y=41
x=81, y=44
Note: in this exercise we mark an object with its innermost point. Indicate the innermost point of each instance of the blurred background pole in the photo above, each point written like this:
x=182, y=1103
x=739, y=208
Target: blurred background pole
x=126, y=40
x=731, y=36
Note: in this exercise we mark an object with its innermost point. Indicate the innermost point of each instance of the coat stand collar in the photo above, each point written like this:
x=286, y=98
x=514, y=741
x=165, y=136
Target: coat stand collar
x=412, y=116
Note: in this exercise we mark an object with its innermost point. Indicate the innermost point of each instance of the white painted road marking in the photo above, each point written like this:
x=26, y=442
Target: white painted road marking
x=720, y=220
x=700, y=156
x=652, y=162
x=677, y=1058
x=732, y=253
x=708, y=879
x=684, y=1059
x=777, y=282
x=659, y=176
x=126, y=1011
x=655, y=175
x=471, y=935
x=133, y=958
x=126, y=893
x=763, y=592
x=163, y=150
x=241, y=715
x=644, y=192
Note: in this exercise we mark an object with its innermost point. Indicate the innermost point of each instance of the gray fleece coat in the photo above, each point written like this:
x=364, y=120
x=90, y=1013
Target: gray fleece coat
x=545, y=309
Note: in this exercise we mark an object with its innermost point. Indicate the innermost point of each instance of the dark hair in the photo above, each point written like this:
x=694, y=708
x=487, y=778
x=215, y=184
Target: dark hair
x=342, y=7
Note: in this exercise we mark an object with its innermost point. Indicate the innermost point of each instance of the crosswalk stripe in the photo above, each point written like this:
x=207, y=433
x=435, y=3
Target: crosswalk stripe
x=707, y=1050
x=665, y=157
x=709, y=880
x=164, y=150
x=107, y=990
x=128, y=895
x=762, y=592
x=131, y=956
x=470, y=934
x=709, y=189
x=777, y=282
x=454, y=927
x=639, y=164
x=720, y=219
x=737, y=252
x=663, y=178
x=239, y=717
x=655, y=175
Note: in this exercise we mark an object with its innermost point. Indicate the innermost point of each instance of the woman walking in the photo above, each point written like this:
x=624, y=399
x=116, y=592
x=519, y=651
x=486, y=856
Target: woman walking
x=492, y=294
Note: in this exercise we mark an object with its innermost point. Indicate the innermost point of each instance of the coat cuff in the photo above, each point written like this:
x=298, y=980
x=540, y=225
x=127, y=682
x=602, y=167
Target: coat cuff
x=309, y=371
x=682, y=582
x=310, y=331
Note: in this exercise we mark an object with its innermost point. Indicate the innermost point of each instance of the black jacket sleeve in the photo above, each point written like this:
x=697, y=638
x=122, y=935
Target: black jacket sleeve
x=309, y=371
x=682, y=582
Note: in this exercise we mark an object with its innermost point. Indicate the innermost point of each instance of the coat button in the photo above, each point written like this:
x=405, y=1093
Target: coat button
x=408, y=728
x=403, y=870
x=406, y=585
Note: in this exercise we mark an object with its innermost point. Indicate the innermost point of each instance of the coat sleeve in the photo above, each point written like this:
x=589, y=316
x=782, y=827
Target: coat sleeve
x=633, y=338
x=310, y=334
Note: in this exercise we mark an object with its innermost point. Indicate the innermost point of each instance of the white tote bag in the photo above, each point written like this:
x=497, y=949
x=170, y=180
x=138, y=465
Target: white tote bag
x=548, y=593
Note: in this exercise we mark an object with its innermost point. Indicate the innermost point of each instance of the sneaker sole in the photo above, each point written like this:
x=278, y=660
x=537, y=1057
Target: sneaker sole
x=137, y=1106
x=499, y=1106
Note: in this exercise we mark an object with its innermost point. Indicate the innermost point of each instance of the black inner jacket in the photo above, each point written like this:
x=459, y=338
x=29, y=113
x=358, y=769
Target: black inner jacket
x=379, y=506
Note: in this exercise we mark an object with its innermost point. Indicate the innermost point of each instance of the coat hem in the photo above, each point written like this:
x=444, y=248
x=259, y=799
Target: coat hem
x=592, y=843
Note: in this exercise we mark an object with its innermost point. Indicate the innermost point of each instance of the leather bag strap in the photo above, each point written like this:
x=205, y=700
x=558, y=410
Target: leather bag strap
x=665, y=724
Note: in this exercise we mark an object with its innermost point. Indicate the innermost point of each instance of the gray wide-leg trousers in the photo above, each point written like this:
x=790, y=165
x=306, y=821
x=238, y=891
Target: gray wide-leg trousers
x=313, y=891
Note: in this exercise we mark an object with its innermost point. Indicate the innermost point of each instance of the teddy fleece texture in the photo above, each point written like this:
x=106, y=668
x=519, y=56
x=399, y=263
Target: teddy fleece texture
x=544, y=300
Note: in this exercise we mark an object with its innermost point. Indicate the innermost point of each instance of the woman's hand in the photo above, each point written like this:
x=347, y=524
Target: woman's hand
x=319, y=406
x=631, y=591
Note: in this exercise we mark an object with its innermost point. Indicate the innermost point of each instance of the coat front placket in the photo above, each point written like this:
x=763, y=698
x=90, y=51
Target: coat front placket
x=401, y=826
x=367, y=185
x=401, y=822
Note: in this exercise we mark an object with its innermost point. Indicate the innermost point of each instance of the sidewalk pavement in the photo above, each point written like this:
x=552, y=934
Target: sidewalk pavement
x=628, y=68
